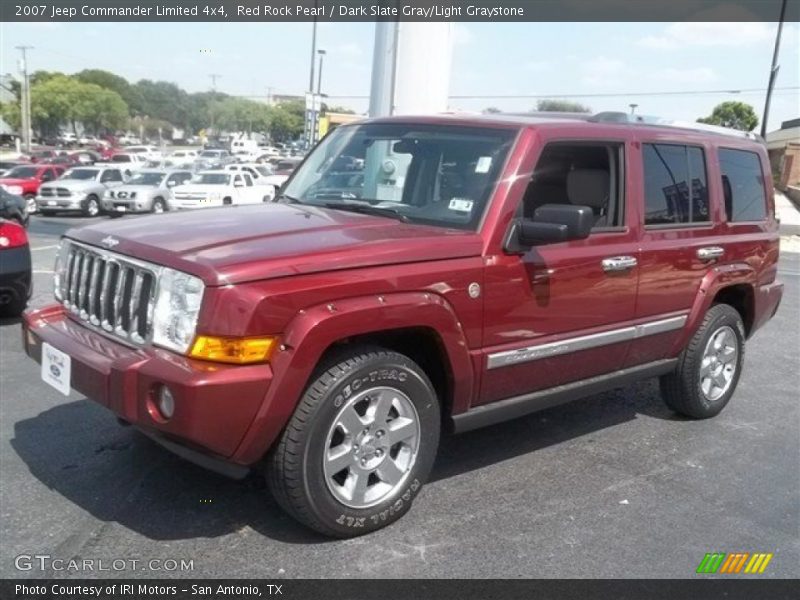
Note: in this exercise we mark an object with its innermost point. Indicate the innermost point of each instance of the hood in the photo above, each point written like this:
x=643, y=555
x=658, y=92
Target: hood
x=140, y=190
x=72, y=184
x=248, y=243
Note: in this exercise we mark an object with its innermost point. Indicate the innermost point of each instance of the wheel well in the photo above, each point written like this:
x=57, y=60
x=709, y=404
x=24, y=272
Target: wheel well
x=422, y=345
x=741, y=298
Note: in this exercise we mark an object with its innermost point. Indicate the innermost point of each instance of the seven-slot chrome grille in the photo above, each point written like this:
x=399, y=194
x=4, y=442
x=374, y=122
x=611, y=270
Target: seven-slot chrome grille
x=110, y=291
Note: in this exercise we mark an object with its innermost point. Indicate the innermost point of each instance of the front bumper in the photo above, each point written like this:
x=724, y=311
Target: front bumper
x=214, y=403
x=127, y=206
x=56, y=203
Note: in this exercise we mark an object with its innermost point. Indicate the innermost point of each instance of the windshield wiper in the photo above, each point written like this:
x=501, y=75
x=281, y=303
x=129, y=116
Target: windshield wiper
x=368, y=209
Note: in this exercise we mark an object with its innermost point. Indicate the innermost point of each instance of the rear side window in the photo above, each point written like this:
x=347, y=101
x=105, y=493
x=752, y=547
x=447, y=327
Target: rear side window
x=742, y=185
x=675, y=184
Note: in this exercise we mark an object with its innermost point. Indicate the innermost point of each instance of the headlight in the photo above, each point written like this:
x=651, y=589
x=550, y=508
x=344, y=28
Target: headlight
x=109, y=194
x=215, y=196
x=60, y=269
x=176, y=310
x=14, y=190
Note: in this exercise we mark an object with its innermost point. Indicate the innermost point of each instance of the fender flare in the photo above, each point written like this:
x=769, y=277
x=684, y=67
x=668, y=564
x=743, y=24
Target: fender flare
x=315, y=329
x=716, y=279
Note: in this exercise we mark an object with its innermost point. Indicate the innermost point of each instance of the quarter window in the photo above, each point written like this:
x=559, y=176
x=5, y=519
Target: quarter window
x=742, y=185
x=675, y=185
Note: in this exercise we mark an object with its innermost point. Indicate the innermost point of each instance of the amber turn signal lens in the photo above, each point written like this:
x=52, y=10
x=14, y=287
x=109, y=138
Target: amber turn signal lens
x=238, y=351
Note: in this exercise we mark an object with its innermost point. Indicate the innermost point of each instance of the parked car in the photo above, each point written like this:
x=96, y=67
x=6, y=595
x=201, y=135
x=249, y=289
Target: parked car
x=212, y=159
x=148, y=152
x=24, y=180
x=79, y=189
x=183, y=158
x=210, y=189
x=87, y=157
x=13, y=207
x=43, y=156
x=145, y=191
x=262, y=174
x=487, y=267
x=15, y=269
x=282, y=170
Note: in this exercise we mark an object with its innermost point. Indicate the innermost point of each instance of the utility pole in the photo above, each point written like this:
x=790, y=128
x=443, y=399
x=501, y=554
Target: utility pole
x=214, y=77
x=25, y=99
x=773, y=73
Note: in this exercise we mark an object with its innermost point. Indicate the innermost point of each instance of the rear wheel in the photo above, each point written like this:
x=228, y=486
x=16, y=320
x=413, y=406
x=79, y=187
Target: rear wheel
x=359, y=446
x=12, y=305
x=227, y=201
x=709, y=367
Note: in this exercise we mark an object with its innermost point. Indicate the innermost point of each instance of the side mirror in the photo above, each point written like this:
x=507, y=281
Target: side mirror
x=551, y=224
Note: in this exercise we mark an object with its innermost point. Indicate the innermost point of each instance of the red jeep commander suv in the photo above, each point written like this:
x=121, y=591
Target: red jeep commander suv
x=415, y=274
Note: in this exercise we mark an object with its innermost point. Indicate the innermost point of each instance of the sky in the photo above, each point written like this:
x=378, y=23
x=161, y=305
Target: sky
x=552, y=59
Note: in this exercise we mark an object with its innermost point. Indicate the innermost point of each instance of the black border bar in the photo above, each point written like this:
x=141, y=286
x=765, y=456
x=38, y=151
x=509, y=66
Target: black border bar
x=730, y=588
x=393, y=10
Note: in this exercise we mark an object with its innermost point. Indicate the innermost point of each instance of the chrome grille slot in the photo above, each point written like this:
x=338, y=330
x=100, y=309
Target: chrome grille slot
x=110, y=292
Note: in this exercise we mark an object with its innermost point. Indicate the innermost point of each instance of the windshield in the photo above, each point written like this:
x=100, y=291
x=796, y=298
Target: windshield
x=152, y=179
x=84, y=174
x=210, y=154
x=21, y=173
x=264, y=170
x=436, y=174
x=212, y=179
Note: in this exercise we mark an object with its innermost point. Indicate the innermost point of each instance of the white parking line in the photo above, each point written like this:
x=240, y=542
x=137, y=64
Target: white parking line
x=43, y=272
x=44, y=248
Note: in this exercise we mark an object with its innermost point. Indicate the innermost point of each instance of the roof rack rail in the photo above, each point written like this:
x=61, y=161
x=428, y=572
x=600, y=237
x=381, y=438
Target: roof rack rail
x=623, y=117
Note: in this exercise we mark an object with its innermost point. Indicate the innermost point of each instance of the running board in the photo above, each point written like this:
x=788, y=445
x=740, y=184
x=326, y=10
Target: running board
x=518, y=406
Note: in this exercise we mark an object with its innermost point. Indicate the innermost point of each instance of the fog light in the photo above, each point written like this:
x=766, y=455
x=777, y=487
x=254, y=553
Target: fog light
x=166, y=402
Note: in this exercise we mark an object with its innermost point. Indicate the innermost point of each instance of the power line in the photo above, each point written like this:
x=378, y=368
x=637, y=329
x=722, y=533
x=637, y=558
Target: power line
x=596, y=95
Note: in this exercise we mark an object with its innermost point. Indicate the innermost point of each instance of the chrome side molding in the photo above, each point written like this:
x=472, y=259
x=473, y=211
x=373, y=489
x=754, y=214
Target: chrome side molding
x=584, y=342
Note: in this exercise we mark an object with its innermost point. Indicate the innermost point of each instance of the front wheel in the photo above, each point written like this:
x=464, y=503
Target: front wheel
x=709, y=367
x=359, y=446
x=158, y=206
x=30, y=203
x=91, y=207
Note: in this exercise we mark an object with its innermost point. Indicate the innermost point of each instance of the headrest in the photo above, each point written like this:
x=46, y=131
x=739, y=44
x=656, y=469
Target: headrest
x=588, y=187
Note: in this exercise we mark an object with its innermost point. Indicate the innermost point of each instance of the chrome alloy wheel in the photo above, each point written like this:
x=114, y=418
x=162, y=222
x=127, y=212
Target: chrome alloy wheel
x=371, y=447
x=719, y=363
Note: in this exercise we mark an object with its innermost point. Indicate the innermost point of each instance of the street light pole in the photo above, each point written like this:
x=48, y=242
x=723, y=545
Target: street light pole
x=773, y=73
x=313, y=50
x=319, y=80
x=25, y=99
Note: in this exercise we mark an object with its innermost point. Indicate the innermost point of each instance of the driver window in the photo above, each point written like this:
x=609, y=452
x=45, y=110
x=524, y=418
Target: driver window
x=47, y=175
x=587, y=174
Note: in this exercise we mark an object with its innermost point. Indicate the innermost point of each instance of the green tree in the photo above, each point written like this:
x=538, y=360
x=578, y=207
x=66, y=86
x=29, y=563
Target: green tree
x=733, y=114
x=551, y=105
x=286, y=121
x=110, y=81
x=163, y=100
x=100, y=110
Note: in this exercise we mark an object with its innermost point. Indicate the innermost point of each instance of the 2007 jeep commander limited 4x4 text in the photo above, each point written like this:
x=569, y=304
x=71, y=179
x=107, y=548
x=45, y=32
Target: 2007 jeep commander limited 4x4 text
x=420, y=274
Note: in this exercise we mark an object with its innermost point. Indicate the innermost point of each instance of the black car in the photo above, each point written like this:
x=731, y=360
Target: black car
x=13, y=208
x=15, y=269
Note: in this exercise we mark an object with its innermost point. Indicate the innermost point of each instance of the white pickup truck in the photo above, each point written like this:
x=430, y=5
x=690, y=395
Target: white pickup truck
x=219, y=188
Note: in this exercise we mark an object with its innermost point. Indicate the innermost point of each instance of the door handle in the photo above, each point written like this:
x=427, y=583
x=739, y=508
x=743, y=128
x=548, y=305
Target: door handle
x=710, y=253
x=616, y=264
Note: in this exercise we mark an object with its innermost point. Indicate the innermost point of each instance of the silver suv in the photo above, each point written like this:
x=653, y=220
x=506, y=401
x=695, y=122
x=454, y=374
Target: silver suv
x=145, y=191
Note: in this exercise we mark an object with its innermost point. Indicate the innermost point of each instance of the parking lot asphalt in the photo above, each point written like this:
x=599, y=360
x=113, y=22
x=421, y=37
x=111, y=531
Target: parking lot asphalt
x=614, y=485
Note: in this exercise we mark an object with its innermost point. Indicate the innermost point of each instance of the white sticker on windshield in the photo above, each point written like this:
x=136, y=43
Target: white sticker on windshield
x=484, y=164
x=461, y=204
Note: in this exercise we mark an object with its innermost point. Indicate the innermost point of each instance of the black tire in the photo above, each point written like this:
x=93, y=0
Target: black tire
x=295, y=466
x=682, y=389
x=91, y=207
x=158, y=202
x=227, y=202
x=13, y=307
x=46, y=213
